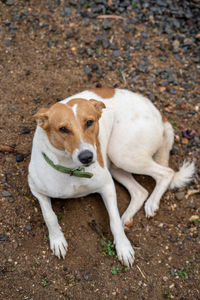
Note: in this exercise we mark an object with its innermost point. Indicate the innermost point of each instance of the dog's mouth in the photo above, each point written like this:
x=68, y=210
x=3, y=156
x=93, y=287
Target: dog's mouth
x=88, y=165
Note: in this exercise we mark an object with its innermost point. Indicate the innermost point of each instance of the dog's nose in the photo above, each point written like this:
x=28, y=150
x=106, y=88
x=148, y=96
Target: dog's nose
x=85, y=157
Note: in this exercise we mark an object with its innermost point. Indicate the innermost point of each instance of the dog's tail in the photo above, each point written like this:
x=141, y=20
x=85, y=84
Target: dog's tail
x=183, y=176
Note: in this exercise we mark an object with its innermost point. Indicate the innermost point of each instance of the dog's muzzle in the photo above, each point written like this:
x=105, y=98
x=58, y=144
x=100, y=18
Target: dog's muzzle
x=85, y=157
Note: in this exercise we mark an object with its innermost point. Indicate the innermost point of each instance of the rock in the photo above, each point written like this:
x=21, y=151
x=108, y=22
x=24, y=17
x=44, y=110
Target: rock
x=28, y=227
x=6, y=194
x=9, y=2
x=162, y=89
x=175, y=45
x=85, y=276
x=19, y=157
x=165, y=278
x=6, y=22
x=8, y=43
x=25, y=130
x=87, y=70
x=117, y=53
x=105, y=44
x=3, y=237
x=184, y=141
x=37, y=100
x=179, y=195
x=90, y=52
x=194, y=217
x=11, y=200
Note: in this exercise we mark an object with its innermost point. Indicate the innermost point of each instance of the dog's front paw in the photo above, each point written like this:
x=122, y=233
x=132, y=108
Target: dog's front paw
x=150, y=209
x=58, y=245
x=125, y=252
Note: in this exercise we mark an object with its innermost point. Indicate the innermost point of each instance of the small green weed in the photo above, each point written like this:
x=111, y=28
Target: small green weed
x=196, y=221
x=167, y=295
x=60, y=216
x=174, y=124
x=115, y=270
x=109, y=250
x=45, y=283
x=72, y=280
x=135, y=4
x=37, y=262
x=108, y=247
x=183, y=272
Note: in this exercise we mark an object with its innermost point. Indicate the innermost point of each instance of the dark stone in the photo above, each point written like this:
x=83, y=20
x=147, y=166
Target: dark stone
x=172, y=272
x=106, y=25
x=85, y=276
x=11, y=200
x=9, y=2
x=87, y=70
x=81, y=50
x=192, y=112
x=3, y=237
x=28, y=227
x=37, y=100
x=12, y=27
x=174, y=150
x=6, y=194
x=172, y=91
x=19, y=157
x=90, y=52
x=25, y=130
x=94, y=67
x=117, y=53
x=6, y=22
x=105, y=44
x=65, y=12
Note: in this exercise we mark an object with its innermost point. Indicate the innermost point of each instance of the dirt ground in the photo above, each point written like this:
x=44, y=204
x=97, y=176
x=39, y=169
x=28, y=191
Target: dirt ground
x=46, y=57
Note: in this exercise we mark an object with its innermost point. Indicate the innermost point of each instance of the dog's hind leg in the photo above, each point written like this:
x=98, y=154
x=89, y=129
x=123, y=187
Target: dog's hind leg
x=162, y=155
x=147, y=166
x=137, y=192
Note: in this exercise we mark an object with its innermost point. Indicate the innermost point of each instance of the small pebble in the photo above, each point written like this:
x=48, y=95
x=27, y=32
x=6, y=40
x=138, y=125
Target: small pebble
x=194, y=217
x=179, y=195
x=3, y=237
x=6, y=194
x=28, y=227
x=117, y=53
x=184, y=141
x=19, y=157
x=165, y=278
x=11, y=200
x=25, y=130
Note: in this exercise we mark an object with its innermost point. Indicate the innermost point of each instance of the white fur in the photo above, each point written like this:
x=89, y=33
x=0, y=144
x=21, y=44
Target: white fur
x=183, y=176
x=133, y=139
x=74, y=107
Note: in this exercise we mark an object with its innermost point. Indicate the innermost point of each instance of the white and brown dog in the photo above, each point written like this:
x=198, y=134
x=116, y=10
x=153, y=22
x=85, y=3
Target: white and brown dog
x=116, y=134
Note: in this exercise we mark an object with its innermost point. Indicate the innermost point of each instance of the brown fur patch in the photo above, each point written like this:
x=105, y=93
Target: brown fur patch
x=164, y=118
x=57, y=116
x=62, y=115
x=104, y=92
x=99, y=154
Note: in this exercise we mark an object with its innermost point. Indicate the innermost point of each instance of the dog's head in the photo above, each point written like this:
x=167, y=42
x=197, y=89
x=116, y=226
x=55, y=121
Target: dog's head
x=73, y=127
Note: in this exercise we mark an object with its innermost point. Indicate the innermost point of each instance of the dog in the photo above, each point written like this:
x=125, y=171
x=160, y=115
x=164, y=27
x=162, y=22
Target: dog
x=83, y=142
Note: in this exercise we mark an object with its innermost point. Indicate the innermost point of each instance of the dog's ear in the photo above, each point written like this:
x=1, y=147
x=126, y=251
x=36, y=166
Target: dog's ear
x=98, y=105
x=42, y=118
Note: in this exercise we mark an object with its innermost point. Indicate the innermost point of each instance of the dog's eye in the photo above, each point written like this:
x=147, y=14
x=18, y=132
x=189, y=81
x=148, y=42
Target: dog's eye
x=89, y=123
x=64, y=130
